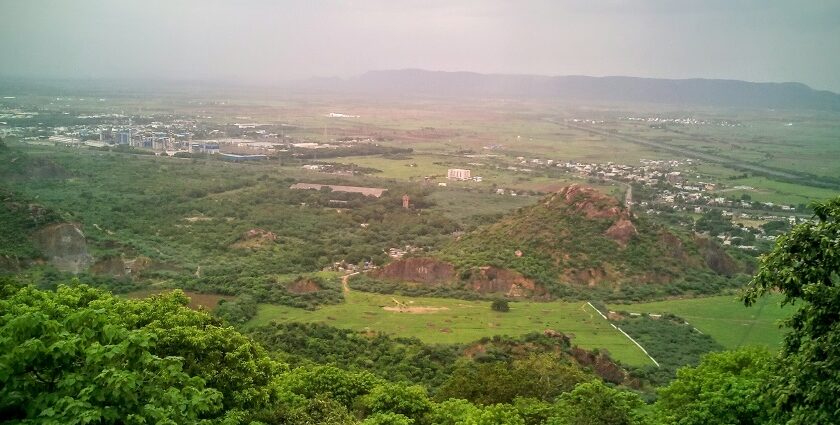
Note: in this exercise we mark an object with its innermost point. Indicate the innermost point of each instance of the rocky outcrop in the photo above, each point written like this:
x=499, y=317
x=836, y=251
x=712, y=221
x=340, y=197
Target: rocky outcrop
x=121, y=267
x=674, y=244
x=601, y=364
x=589, y=277
x=622, y=231
x=484, y=280
x=508, y=282
x=255, y=238
x=589, y=202
x=583, y=238
x=418, y=270
x=64, y=246
x=303, y=286
x=595, y=205
x=716, y=258
x=111, y=266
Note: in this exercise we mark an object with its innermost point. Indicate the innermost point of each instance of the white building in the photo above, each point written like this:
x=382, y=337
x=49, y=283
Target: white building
x=458, y=174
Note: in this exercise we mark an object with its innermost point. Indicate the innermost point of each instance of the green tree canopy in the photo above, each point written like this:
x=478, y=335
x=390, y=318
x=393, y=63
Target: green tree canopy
x=594, y=403
x=540, y=376
x=500, y=305
x=68, y=357
x=725, y=388
x=409, y=401
x=805, y=267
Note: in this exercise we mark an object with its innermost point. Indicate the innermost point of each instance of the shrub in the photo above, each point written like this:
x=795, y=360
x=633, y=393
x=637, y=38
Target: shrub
x=500, y=306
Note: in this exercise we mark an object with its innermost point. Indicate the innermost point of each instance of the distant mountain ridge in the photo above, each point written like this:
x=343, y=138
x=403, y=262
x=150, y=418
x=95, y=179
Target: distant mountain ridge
x=696, y=91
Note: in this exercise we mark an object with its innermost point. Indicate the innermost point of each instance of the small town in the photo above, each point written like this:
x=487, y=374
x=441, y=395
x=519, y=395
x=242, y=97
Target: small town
x=668, y=185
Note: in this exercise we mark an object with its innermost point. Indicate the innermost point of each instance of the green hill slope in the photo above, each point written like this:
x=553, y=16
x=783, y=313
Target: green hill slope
x=576, y=242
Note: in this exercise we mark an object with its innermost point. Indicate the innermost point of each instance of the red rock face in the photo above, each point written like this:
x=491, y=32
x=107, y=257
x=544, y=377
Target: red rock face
x=483, y=279
x=622, y=231
x=589, y=277
x=512, y=284
x=303, y=286
x=595, y=205
x=419, y=270
x=600, y=364
x=112, y=266
x=591, y=203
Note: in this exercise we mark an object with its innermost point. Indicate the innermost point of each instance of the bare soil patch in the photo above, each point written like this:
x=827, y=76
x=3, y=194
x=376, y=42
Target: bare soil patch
x=197, y=299
x=415, y=310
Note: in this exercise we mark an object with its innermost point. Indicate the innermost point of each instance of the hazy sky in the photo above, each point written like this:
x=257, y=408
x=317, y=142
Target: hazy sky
x=261, y=41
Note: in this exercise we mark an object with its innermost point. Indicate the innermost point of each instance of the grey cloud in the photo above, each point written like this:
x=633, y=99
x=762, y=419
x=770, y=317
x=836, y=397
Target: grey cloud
x=261, y=41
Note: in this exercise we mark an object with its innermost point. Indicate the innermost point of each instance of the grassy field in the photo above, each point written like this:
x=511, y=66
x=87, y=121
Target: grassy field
x=459, y=321
x=459, y=204
x=763, y=189
x=767, y=190
x=411, y=169
x=448, y=321
x=724, y=318
x=493, y=171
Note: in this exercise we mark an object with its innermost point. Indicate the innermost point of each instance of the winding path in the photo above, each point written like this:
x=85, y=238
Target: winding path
x=344, y=285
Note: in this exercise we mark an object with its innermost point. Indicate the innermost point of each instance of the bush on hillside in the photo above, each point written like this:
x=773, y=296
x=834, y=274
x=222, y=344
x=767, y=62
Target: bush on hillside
x=500, y=306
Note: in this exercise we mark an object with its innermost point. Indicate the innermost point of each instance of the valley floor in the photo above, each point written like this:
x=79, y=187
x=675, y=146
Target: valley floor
x=724, y=318
x=447, y=321
x=451, y=321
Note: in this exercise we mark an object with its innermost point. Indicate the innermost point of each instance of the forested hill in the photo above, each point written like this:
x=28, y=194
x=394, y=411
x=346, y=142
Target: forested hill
x=581, y=240
x=696, y=91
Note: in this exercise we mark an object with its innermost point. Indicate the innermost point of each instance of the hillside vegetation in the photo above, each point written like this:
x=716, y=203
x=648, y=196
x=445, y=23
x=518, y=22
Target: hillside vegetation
x=20, y=218
x=217, y=227
x=576, y=242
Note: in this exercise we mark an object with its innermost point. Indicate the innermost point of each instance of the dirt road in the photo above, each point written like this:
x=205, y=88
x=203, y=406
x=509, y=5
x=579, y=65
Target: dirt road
x=344, y=279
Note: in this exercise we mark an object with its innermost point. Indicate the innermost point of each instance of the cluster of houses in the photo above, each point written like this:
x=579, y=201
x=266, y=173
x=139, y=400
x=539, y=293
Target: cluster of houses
x=657, y=121
x=397, y=253
x=345, y=267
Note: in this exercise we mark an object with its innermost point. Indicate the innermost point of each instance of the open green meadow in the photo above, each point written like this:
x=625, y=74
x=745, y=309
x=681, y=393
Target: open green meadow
x=449, y=321
x=724, y=318
x=415, y=167
x=767, y=190
x=460, y=204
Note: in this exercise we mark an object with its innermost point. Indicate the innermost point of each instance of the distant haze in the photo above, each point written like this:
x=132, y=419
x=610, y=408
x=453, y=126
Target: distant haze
x=262, y=41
